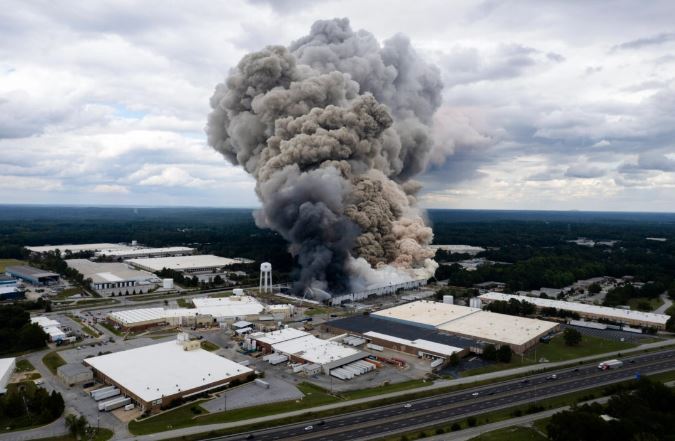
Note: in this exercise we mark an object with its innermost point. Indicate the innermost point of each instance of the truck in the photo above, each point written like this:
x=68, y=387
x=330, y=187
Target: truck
x=113, y=404
x=106, y=394
x=610, y=364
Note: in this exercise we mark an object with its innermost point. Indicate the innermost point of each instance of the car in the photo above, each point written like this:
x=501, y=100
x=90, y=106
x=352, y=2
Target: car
x=576, y=370
x=491, y=393
x=475, y=394
x=552, y=377
x=308, y=428
x=407, y=405
x=631, y=361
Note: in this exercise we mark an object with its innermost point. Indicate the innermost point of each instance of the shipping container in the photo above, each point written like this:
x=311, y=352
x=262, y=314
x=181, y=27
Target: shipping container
x=113, y=404
x=103, y=389
x=106, y=394
x=375, y=347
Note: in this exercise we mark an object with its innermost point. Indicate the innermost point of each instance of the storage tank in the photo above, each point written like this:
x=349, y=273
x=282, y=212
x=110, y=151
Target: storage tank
x=167, y=283
x=450, y=300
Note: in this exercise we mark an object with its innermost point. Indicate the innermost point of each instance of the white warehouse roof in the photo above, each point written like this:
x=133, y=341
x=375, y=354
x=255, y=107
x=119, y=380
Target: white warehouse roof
x=426, y=312
x=274, y=337
x=144, y=251
x=182, y=263
x=228, y=307
x=499, y=327
x=582, y=308
x=421, y=344
x=142, y=315
x=151, y=372
x=80, y=247
x=316, y=350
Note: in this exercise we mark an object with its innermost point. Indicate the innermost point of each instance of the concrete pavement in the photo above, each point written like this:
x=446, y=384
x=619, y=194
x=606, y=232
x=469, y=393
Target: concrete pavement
x=667, y=303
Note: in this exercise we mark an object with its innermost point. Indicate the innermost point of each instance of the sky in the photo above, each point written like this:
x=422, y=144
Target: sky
x=560, y=105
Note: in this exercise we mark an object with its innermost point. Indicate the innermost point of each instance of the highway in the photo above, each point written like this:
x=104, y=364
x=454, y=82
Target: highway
x=379, y=421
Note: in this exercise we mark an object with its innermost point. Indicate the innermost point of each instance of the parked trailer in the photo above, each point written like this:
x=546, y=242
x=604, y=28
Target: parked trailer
x=103, y=389
x=610, y=364
x=129, y=406
x=113, y=404
x=262, y=383
x=437, y=362
x=107, y=394
x=278, y=359
x=375, y=347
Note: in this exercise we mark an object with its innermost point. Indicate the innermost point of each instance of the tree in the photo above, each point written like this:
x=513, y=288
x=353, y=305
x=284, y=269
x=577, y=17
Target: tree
x=572, y=337
x=77, y=426
x=504, y=354
x=594, y=288
x=489, y=352
x=454, y=359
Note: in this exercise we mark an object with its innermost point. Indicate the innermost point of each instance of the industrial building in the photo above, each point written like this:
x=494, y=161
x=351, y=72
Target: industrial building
x=7, y=366
x=114, y=279
x=34, y=276
x=144, y=318
x=51, y=327
x=471, y=323
x=302, y=347
x=86, y=247
x=205, y=263
x=229, y=308
x=376, y=291
x=589, y=312
x=74, y=373
x=138, y=253
x=157, y=375
x=11, y=293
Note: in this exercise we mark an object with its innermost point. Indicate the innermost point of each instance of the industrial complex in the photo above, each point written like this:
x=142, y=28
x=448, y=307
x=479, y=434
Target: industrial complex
x=191, y=264
x=114, y=279
x=155, y=376
x=34, y=276
x=7, y=366
x=590, y=312
x=137, y=253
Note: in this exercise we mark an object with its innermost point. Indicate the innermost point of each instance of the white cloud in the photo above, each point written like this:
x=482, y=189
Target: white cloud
x=110, y=188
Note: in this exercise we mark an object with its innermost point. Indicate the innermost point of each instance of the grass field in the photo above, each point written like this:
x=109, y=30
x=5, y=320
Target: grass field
x=101, y=434
x=185, y=303
x=24, y=366
x=9, y=262
x=516, y=433
x=353, y=395
x=207, y=345
x=109, y=327
x=64, y=294
x=556, y=350
x=53, y=360
x=653, y=303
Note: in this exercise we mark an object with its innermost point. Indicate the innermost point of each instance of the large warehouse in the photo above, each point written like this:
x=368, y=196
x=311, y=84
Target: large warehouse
x=146, y=253
x=7, y=366
x=90, y=247
x=590, y=312
x=229, y=308
x=34, y=276
x=203, y=263
x=155, y=376
x=113, y=278
x=303, y=347
x=471, y=323
x=144, y=318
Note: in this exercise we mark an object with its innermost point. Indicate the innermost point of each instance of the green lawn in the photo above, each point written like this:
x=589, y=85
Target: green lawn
x=185, y=303
x=110, y=327
x=653, y=303
x=379, y=390
x=9, y=262
x=101, y=434
x=185, y=416
x=53, y=360
x=207, y=345
x=555, y=350
x=64, y=294
x=516, y=433
x=24, y=366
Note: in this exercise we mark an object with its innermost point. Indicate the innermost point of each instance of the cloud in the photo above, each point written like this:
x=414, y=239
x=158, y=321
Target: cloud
x=640, y=43
x=584, y=171
x=110, y=188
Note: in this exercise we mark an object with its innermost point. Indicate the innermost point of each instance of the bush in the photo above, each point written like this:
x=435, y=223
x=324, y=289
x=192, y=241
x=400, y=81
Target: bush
x=572, y=337
x=471, y=421
x=455, y=427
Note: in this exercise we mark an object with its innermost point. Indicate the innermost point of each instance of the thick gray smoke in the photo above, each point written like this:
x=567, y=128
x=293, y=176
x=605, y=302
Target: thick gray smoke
x=333, y=128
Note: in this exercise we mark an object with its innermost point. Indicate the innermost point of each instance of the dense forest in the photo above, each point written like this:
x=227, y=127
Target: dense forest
x=17, y=334
x=532, y=246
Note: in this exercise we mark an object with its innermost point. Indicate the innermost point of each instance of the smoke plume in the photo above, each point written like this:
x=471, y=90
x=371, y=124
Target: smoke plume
x=333, y=128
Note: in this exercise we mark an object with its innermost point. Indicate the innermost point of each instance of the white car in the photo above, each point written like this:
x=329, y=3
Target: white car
x=308, y=428
x=407, y=405
x=475, y=394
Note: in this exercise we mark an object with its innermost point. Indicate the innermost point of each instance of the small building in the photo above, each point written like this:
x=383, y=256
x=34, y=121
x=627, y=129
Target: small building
x=11, y=293
x=74, y=373
x=144, y=318
x=7, y=366
x=51, y=327
x=156, y=376
x=34, y=276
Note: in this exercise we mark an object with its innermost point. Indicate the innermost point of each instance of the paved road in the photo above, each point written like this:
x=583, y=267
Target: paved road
x=667, y=303
x=421, y=413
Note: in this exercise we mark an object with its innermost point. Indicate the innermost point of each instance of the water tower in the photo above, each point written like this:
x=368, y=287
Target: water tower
x=265, y=277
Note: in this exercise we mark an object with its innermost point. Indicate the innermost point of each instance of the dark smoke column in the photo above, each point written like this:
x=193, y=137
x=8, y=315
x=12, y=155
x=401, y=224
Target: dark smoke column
x=333, y=129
